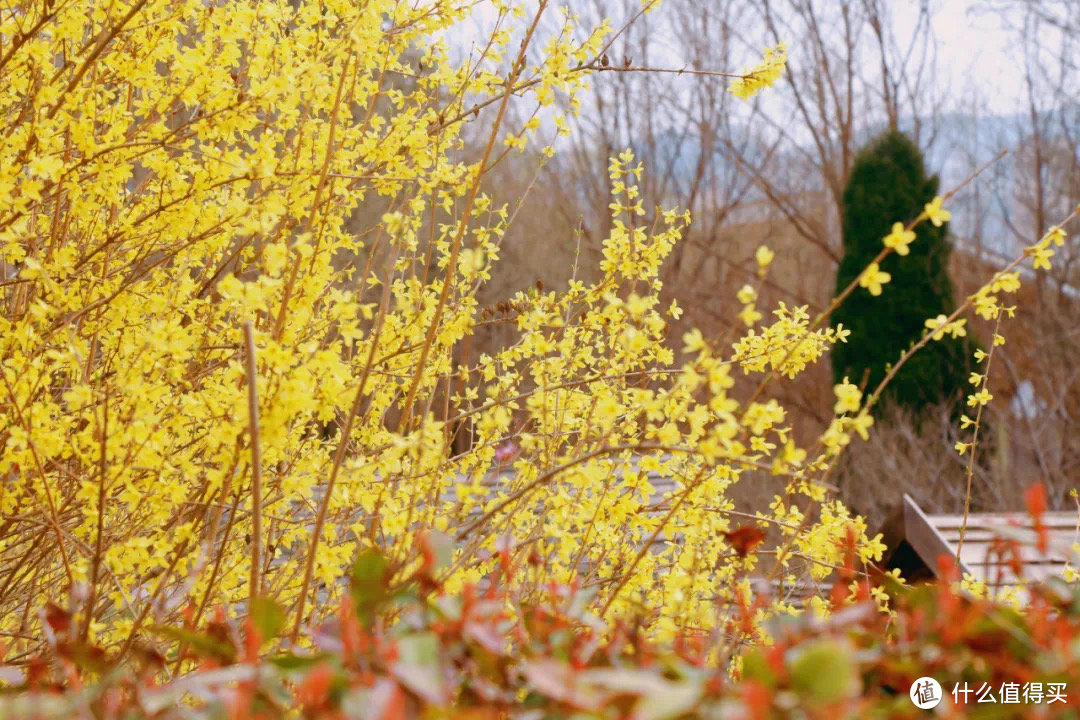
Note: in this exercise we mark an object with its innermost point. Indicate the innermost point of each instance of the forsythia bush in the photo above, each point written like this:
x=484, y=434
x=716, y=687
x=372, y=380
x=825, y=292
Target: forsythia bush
x=241, y=245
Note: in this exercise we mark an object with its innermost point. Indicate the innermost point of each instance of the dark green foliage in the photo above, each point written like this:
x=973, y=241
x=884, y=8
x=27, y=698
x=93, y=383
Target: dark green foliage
x=889, y=184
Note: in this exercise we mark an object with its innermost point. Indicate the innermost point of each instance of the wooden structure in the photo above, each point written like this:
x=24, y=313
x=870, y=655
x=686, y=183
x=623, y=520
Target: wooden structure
x=918, y=539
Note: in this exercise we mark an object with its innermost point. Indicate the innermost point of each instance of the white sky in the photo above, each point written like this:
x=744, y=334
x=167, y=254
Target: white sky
x=974, y=50
x=972, y=47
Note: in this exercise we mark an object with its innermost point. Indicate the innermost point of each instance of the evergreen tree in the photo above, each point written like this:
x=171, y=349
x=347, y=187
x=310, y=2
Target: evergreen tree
x=888, y=184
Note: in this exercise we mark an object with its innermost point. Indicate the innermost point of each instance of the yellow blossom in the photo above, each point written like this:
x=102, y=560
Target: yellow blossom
x=848, y=397
x=693, y=341
x=873, y=278
x=764, y=257
x=761, y=76
x=1056, y=235
x=899, y=239
x=1041, y=255
x=749, y=315
x=936, y=213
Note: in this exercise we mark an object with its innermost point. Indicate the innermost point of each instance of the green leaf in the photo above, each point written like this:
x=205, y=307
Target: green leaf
x=40, y=705
x=554, y=680
x=368, y=584
x=201, y=644
x=658, y=697
x=267, y=617
x=756, y=666
x=290, y=661
x=825, y=672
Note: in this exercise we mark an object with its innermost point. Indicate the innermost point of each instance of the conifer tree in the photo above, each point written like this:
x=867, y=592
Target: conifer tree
x=889, y=183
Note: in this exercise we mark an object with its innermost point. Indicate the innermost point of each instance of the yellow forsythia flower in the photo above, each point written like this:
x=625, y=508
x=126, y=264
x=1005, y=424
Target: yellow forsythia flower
x=761, y=76
x=873, y=278
x=848, y=397
x=936, y=213
x=899, y=239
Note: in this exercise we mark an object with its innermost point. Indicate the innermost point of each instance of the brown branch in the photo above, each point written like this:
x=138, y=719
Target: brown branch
x=256, y=464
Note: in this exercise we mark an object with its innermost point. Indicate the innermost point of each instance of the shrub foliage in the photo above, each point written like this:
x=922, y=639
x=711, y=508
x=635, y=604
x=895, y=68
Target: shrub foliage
x=175, y=172
x=489, y=651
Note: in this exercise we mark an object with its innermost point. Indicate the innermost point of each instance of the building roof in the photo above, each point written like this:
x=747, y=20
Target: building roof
x=982, y=553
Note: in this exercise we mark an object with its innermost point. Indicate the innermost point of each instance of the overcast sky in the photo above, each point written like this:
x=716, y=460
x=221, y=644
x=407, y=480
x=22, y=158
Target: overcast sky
x=972, y=46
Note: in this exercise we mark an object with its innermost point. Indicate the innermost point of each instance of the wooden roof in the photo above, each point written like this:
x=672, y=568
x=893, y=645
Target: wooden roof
x=934, y=535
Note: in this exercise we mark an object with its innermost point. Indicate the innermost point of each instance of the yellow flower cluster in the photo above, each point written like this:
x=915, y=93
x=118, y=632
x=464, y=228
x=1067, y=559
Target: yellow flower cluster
x=787, y=346
x=1041, y=252
x=985, y=302
x=761, y=76
x=173, y=171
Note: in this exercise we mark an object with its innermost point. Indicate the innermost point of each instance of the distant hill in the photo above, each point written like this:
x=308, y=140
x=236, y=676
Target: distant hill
x=955, y=144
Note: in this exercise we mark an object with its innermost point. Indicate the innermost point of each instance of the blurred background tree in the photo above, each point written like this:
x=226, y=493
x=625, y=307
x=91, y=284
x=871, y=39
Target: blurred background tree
x=889, y=184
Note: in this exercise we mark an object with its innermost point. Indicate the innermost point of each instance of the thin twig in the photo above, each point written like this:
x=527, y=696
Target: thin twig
x=95, y=564
x=256, y=463
x=674, y=71
x=974, y=443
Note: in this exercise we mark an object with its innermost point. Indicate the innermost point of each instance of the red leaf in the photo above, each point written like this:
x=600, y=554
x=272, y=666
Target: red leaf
x=744, y=539
x=757, y=699
x=58, y=618
x=1035, y=499
x=37, y=672
x=315, y=688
